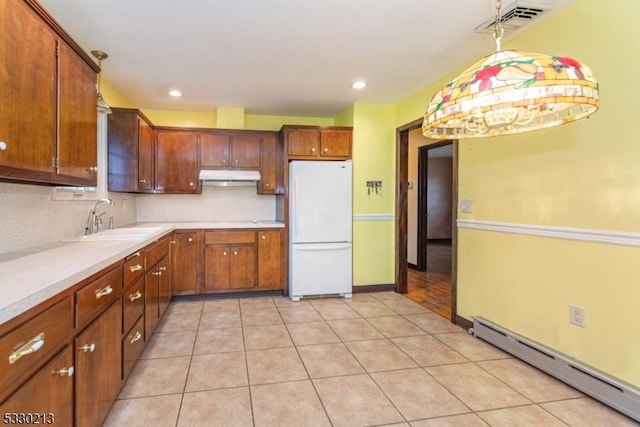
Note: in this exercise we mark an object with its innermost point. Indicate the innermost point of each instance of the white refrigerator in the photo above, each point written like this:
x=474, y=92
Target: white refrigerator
x=320, y=231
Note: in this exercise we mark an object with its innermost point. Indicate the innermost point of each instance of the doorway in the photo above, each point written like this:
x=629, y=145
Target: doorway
x=426, y=240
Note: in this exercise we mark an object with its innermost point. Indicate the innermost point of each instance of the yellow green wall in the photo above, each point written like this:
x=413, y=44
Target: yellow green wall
x=583, y=175
x=373, y=160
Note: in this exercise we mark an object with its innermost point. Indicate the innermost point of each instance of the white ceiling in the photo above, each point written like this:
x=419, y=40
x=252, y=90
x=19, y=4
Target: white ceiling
x=281, y=57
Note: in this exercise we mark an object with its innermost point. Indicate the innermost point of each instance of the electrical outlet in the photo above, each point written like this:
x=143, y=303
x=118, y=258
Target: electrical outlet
x=576, y=316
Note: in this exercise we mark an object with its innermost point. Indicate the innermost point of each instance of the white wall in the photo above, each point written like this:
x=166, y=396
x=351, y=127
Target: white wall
x=29, y=217
x=214, y=204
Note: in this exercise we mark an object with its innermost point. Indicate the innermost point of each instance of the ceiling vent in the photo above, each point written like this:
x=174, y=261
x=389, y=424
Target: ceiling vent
x=518, y=15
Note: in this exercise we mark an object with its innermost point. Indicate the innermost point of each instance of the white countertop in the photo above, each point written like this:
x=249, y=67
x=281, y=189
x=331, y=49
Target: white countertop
x=29, y=277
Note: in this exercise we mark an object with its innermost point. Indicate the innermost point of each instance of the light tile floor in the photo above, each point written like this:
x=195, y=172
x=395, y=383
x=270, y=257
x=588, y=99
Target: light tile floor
x=377, y=359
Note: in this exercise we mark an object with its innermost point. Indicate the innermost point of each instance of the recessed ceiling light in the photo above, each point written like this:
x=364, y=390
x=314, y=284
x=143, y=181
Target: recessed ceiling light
x=175, y=93
x=360, y=84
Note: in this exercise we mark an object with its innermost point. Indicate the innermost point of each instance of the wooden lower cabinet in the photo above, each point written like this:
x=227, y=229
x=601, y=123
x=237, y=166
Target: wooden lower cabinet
x=47, y=398
x=229, y=267
x=184, y=262
x=151, y=302
x=164, y=285
x=98, y=373
x=270, y=259
x=243, y=260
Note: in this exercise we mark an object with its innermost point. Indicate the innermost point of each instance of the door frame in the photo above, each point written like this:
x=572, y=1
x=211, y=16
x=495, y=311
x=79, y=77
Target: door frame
x=402, y=210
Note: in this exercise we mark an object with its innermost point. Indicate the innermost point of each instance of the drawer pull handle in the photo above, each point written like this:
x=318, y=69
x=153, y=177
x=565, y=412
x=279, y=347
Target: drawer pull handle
x=135, y=268
x=135, y=296
x=104, y=291
x=163, y=268
x=65, y=372
x=32, y=346
x=135, y=337
x=88, y=348
x=157, y=273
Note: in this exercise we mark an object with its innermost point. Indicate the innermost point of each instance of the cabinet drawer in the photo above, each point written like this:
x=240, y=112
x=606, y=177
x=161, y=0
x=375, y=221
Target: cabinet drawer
x=132, y=346
x=156, y=252
x=132, y=304
x=29, y=345
x=98, y=295
x=133, y=268
x=229, y=237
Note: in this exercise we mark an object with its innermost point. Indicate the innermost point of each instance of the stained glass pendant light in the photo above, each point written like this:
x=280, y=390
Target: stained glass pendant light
x=510, y=92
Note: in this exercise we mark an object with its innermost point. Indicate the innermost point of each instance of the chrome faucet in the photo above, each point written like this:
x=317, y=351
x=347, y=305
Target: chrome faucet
x=94, y=221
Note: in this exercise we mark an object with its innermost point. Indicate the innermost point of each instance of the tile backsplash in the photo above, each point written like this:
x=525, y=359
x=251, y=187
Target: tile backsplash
x=214, y=204
x=29, y=217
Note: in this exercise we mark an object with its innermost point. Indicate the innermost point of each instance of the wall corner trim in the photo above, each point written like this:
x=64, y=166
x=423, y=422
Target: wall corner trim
x=374, y=217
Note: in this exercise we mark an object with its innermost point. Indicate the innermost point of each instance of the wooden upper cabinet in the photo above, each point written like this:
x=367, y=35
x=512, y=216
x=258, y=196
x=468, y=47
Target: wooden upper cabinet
x=303, y=142
x=146, y=141
x=214, y=149
x=48, y=130
x=335, y=143
x=130, y=145
x=77, y=118
x=245, y=151
x=27, y=92
x=269, y=165
x=230, y=150
x=318, y=143
x=177, y=162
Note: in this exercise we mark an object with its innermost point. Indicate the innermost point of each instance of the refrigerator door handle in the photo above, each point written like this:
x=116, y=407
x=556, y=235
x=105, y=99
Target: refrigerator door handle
x=297, y=206
x=322, y=247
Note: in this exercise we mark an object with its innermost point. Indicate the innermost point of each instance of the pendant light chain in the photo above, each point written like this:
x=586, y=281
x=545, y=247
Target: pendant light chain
x=497, y=34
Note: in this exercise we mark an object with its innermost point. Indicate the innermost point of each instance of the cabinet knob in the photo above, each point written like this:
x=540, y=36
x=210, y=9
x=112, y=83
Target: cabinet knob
x=313, y=149
x=235, y=252
x=224, y=161
x=237, y=162
x=263, y=237
x=3, y=145
x=326, y=150
x=104, y=291
x=224, y=253
x=143, y=181
x=190, y=239
x=88, y=348
x=64, y=372
x=135, y=268
x=191, y=184
x=33, y=345
x=267, y=185
x=135, y=337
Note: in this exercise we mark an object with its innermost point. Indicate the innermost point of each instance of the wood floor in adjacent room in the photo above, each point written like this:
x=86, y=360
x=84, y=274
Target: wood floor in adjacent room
x=433, y=288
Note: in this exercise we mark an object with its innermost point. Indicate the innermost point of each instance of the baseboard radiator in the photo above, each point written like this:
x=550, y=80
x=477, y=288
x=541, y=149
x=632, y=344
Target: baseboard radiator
x=610, y=391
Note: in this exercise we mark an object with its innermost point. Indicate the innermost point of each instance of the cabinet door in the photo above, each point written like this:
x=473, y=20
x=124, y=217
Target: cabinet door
x=164, y=285
x=217, y=266
x=48, y=394
x=268, y=164
x=176, y=162
x=243, y=267
x=184, y=252
x=245, y=151
x=77, y=118
x=146, y=140
x=214, y=150
x=151, y=301
x=122, y=137
x=335, y=143
x=27, y=93
x=303, y=142
x=98, y=366
x=270, y=259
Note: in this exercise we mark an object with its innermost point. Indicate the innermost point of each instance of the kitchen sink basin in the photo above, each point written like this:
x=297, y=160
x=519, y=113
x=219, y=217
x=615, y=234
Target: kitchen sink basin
x=131, y=233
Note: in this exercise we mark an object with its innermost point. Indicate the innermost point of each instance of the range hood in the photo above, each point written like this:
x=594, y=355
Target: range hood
x=229, y=177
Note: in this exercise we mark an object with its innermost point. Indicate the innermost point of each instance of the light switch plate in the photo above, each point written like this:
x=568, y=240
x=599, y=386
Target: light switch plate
x=466, y=206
